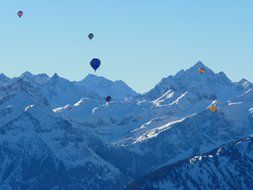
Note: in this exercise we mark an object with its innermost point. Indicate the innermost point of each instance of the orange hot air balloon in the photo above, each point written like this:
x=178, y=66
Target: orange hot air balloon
x=202, y=70
x=213, y=108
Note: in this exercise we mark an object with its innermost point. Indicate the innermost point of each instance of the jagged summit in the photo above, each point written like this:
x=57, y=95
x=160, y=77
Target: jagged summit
x=41, y=78
x=2, y=75
x=26, y=74
x=185, y=80
x=104, y=87
x=200, y=64
x=188, y=80
x=195, y=69
x=192, y=74
x=35, y=79
x=55, y=76
x=246, y=84
x=4, y=79
x=92, y=76
x=55, y=79
x=99, y=79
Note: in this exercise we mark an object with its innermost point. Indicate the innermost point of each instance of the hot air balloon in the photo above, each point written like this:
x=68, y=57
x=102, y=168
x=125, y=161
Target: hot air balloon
x=213, y=108
x=90, y=36
x=20, y=14
x=202, y=70
x=95, y=63
x=108, y=98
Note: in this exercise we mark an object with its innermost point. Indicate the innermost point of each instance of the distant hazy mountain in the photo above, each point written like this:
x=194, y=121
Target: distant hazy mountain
x=40, y=78
x=103, y=87
x=58, y=134
x=60, y=91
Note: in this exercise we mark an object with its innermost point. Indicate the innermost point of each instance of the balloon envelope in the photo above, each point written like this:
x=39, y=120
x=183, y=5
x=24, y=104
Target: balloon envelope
x=213, y=108
x=202, y=70
x=95, y=63
x=20, y=13
x=108, y=98
x=91, y=36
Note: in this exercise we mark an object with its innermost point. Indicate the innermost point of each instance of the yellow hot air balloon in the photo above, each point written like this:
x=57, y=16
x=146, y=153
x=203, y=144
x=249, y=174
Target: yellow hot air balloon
x=213, y=108
x=202, y=70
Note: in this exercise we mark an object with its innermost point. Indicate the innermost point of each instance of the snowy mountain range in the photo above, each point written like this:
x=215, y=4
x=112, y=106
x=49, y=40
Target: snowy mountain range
x=227, y=167
x=58, y=134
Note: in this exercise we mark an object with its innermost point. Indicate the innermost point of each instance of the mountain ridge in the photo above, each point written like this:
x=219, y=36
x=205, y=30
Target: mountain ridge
x=169, y=177
x=115, y=142
x=195, y=69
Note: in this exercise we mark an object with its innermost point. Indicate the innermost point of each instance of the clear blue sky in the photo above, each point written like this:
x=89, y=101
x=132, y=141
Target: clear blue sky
x=138, y=41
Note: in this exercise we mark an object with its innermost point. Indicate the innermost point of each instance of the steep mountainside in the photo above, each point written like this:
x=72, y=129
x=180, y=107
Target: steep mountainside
x=227, y=167
x=40, y=150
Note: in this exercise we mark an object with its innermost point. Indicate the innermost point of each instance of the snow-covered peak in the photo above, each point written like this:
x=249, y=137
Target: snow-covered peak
x=55, y=76
x=194, y=69
x=56, y=80
x=91, y=77
x=3, y=76
x=200, y=64
x=34, y=79
x=26, y=74
x=61, y=91
x=192, y=76
x=41, y=78
x=191, y=80
x=245, y=84
x=4, y=79
x=94, y=79
x=104, y=87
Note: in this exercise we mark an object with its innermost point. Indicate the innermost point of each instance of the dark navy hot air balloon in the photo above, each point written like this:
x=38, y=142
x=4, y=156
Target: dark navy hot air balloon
x=20, y=14
x=95, y=63
x=90, y=36
x=108, y=98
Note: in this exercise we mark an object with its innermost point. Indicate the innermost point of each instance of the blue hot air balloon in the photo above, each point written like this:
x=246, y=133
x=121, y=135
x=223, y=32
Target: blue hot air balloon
x=90, y=36
x=95, y=63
